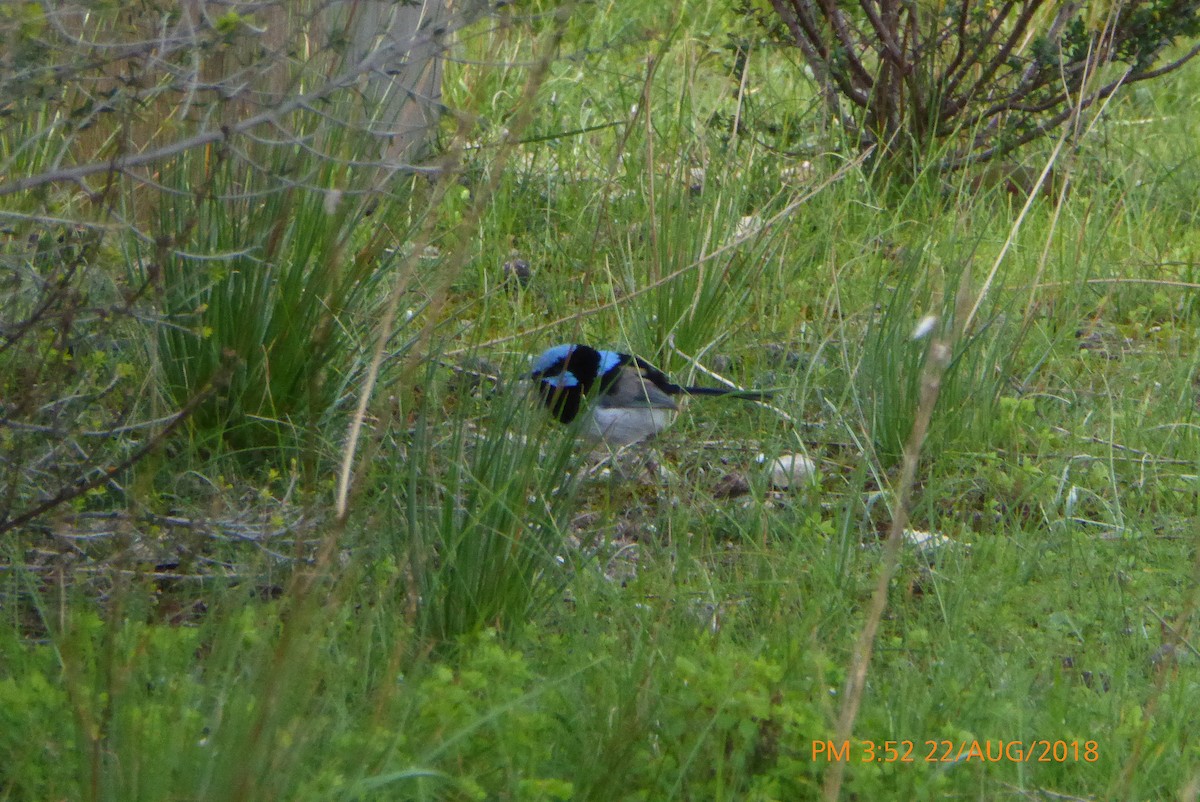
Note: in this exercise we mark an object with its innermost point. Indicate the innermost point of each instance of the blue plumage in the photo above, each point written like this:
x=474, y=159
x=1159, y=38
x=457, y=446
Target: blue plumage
x=550, y=357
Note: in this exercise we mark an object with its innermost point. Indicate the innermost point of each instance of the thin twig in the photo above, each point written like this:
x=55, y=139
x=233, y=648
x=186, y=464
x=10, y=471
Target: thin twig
x=274, y=116
x=79, y=488
x=1157, y=282
x=937, y=361
x=516, y=126
x=731, y=245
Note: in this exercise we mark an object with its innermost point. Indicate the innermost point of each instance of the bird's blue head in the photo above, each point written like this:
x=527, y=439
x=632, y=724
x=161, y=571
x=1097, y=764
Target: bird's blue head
x=565, y=373
x=551, y=367
x=572, y=365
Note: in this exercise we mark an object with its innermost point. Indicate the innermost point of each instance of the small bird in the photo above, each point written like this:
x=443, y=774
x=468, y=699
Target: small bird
x=627, y=398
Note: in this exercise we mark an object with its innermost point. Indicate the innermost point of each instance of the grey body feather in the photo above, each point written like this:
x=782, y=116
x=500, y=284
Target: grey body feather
x=633, y=390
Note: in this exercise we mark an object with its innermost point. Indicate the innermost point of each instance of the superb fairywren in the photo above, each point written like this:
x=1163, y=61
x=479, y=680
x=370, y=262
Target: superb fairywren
x=626, y=398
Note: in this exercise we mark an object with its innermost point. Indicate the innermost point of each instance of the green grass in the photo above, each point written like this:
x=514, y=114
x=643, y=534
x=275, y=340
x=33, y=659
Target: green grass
x=501, y=617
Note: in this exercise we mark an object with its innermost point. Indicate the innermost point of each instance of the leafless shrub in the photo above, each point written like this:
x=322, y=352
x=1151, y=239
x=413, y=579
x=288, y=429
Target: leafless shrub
x=161, y=165
x=987, y=76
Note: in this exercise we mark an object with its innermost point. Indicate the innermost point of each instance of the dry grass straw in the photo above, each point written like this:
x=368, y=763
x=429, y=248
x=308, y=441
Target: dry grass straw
x=469, y=223
x=937, y=361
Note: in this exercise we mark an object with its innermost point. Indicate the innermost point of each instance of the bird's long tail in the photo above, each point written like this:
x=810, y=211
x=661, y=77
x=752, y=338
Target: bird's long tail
x=745, y=395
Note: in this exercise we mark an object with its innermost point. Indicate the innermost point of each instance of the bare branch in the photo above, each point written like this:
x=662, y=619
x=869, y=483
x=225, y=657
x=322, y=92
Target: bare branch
x=103, y=475
x=885, y=28
x=858, y=75
x=915, y=74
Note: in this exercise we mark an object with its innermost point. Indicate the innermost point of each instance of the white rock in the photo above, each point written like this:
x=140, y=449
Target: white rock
x=930, y=544
x=792, y=471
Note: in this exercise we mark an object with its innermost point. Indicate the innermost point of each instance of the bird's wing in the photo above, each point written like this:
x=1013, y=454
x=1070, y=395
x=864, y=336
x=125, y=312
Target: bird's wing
x=633, y=389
